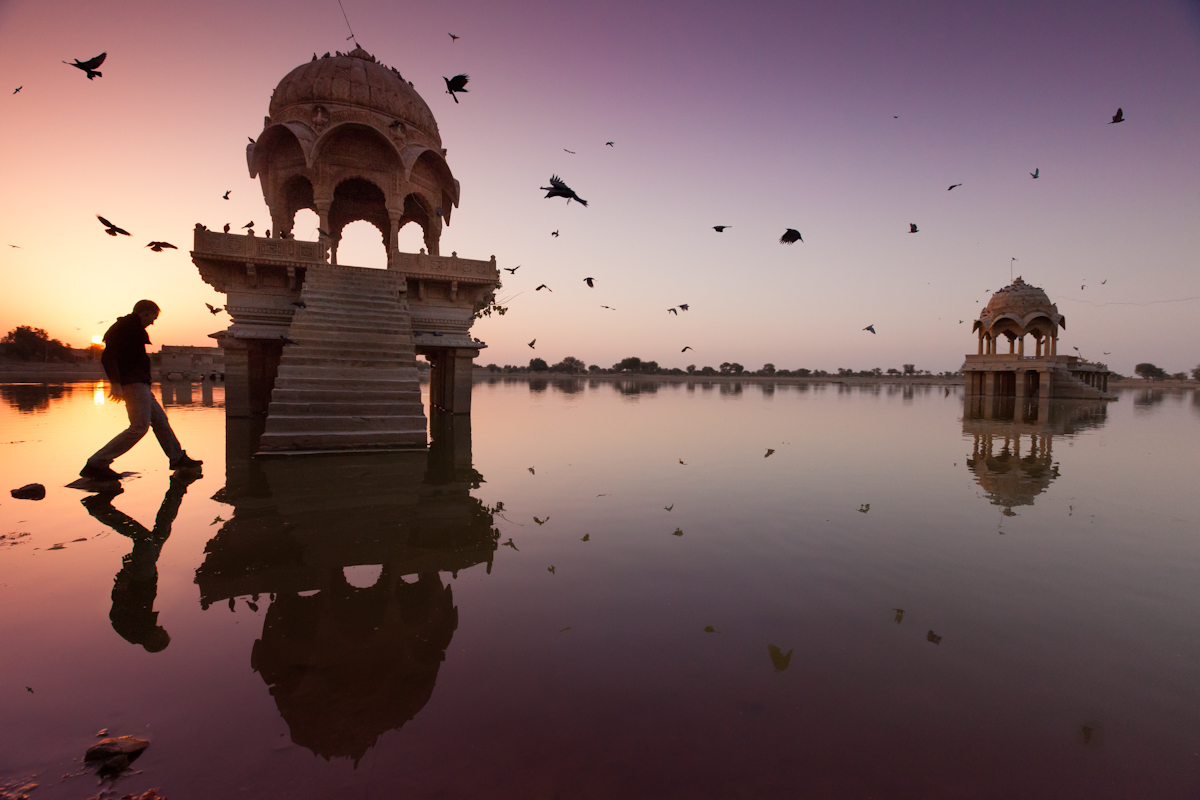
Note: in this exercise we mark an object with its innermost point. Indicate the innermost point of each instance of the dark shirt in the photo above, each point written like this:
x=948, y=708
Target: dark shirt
x=125, y=360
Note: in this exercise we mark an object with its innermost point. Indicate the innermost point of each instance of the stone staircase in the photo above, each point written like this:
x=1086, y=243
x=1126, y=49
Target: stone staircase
x=350, y=380
x=1067, y=386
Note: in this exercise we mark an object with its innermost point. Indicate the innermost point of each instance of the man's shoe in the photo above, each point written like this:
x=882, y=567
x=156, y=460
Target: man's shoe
x=186, y=462
x=96, y=473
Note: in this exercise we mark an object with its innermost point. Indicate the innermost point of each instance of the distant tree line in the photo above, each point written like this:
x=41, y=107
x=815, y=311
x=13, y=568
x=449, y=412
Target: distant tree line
x=24, y=343
x=636, y=366
x=1150, y=372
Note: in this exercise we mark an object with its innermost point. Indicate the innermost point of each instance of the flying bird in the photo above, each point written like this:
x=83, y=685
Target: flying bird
x=912, y=227
x=531, y=347
x=17, y=246
x=541, y=521
x=1118, y=117
x=226, y=195
x=954, y=186
x=672, y=311
x=509, y=543
x=158, y=247
x=19, y=88
x=531, y=472
x=721, y=228
x=779, y=658
x=565, y=150
x=1036, y=172
x=608, y=144
x=684, y=350
x=1104, y=281
x=554, y=234
x=512, y=271
x=791, y=236
x=453, y=38
x=588, y=281
x=214, y=310
x=110, y=229
x=769, y=452
x=543, y=286
x=870, y=328
x=933, y=637
x=90, y=65
x=586, y=537
x=456, y=84
x=550, y=569
x=668, y=508
x=610, y=308
x=678, y=532
x=683, y=306
x=558, y=188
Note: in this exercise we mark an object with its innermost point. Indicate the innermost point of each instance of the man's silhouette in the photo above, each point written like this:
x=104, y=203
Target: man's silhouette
x=128, y=369
x=136, y=585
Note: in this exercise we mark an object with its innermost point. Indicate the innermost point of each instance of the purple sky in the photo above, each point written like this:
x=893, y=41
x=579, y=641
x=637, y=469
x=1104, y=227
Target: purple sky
x=759, y=116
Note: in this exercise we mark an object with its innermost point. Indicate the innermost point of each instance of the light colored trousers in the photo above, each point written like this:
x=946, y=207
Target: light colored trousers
x=144, y=413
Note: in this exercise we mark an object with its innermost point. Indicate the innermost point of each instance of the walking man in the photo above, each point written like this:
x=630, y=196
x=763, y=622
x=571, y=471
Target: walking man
x=128, y=369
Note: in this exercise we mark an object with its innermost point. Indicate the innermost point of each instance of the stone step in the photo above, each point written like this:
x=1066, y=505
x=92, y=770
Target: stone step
x=312, y=375
x=365, y=301
x=312, y=394
x=283, y=423
x=341, y=440
x=380, y=362
x=368, y=335
x=398, y=408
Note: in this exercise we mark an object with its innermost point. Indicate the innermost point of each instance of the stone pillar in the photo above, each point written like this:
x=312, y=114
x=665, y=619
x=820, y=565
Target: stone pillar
x=1054, y=344
x=989, y=384
x=980, y=341
x=450, y=379
x=1011, y=345
x=393, y=239
x=1044, y=390
x=281, y=224
x=237, y=377
x=433, y=233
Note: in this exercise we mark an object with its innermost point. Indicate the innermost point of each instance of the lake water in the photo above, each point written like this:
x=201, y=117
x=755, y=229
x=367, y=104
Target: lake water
x=593, y=590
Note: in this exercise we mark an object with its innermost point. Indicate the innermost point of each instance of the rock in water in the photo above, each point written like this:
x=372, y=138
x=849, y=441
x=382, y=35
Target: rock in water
x=30, y=491
x=115, y=753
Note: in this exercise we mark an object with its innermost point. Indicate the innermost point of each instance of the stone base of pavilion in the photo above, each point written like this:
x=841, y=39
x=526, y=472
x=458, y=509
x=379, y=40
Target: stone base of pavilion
x=1038, y=377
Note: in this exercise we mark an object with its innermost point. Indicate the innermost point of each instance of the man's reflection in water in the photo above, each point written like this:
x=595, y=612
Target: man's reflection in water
x=1012, y=453
x=347, y=662
x=136, y=585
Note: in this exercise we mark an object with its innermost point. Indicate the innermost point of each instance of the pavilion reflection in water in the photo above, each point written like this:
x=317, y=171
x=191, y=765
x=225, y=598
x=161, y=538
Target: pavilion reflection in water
x=347, y=664
x=1012, y=453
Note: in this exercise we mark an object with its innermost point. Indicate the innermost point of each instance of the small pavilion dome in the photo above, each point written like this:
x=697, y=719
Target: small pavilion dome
x=354, y=79
x=1019, y=308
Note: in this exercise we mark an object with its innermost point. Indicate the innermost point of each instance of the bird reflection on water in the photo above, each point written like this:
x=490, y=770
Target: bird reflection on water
x=345, y=664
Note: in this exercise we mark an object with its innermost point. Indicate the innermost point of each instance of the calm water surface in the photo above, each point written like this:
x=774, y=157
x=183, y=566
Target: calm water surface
x=593, y=591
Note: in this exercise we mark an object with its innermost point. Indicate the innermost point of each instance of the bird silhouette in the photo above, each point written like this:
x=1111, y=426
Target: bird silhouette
x=678, y=532
x=870, y=328
x=249, y=224
x=588, y=281
x=1037, y=171
x=226, y=228
x=453, y=38
x=456, y=84
x=543, y=286
x=541, y=521
x=608, y=144
x=286, y=340
x=668, y=508
x=90, y=65
x=1118, y=117
x=531, y=347
x=565, y=150
x=933, y=637
x=683, y=306
x=158, y=247
x=899, y=614
x=29, y=689
x=672, y=311
x=558, y=188
x=1107, y=353
x=610, y=308
x=214, y=310
x=19, y=88
x=512, y=271
x=721, y=228
x=954, y=186
x=110, y=229
x=864, y=508
x=791, y=236
x=681, y=461
x=531, y=472
x=1104, y=281
x=226, y=195
x=779, y=658
x=769, y=452
x=912, y=227
x=554, y=234
x=710, y=629
x=684, y=350
x=509, y=543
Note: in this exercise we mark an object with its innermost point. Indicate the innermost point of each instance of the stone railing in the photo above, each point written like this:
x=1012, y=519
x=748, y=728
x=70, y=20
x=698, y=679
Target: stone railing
x=239, y=247
x=447, y=268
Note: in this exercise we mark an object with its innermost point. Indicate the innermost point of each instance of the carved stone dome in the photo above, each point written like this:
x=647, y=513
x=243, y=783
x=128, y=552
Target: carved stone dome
x=1021, y=303
x=352, y=79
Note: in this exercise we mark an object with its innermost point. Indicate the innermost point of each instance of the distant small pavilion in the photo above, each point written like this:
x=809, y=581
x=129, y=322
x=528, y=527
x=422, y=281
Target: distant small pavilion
x=1015, y=312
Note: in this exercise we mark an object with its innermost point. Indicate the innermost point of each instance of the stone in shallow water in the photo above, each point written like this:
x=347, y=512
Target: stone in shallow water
x=30, y=491
x=115, y=753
